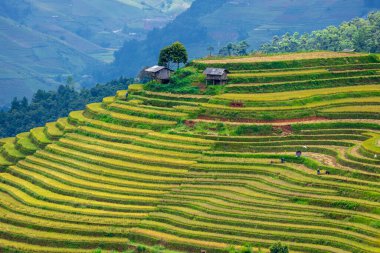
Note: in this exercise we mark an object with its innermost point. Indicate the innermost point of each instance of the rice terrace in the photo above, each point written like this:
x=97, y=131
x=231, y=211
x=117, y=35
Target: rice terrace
x=288, y=150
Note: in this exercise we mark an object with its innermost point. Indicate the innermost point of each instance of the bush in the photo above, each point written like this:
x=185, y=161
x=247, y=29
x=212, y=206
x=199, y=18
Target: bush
x=141, y=249
x=279, y=248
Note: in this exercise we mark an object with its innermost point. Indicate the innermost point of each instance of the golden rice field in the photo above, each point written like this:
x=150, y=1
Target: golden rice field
x=298, y=94
x=202, y=172
x=280, y=57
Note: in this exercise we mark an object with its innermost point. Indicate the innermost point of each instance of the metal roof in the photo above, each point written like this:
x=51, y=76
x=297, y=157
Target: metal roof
x=155, y=69
x=214, y=71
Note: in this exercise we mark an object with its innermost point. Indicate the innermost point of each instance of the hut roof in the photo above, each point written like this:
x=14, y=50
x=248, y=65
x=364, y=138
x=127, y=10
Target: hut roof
x=155, y=69
x=348, y=50
x=215, y=71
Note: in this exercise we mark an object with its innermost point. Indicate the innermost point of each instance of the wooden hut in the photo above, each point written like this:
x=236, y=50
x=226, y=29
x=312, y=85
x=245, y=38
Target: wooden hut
x=159, y=73
x=216, y=75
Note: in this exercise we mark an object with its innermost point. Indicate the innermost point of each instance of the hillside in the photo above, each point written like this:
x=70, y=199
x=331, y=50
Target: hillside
x=215, y=23
x=203, y=170
x=43, y=42
x=38, y=62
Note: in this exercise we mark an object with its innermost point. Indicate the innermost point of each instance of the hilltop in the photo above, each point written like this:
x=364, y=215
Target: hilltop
x=194, y=167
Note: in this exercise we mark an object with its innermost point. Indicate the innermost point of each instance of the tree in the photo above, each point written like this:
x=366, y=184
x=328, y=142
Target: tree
x=238, y=48
x=210, y=49
x=165, y=57
x=230, y=47
x=241, y=48
x=176, y=53
x=179, y=53
x=279, y=248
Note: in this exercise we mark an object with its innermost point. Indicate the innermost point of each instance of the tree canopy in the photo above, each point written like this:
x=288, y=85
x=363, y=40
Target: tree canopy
x=361, y=35
x=237, y=49
x=176, y=54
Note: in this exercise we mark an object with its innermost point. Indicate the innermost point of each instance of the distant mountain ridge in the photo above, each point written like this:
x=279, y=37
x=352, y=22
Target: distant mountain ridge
x=215, y=23
x=44, y=41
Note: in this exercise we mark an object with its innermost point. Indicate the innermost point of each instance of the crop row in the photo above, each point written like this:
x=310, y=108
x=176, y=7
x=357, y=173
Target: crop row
x=78, y=117
x=28, y=209
x=131, y=147
x=319, y=104
x=146, y=112
x=261, y=216
x=62, y=174
x=311, y=78
x=125, y=155
x=64, y=195
x=92, y=177
x=226, y=239
x=299, y=235
x=25, y=144
x=134, y=172
x=125, y=119
x=285, y=64
x=332, y=68
x=52, y=131
x=162, y=102
x=115, y=163
x=39, y=137
x=297, y=94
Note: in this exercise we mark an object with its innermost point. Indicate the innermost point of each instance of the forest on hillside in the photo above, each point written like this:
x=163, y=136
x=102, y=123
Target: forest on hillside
x=359, y=34
x=48, y=106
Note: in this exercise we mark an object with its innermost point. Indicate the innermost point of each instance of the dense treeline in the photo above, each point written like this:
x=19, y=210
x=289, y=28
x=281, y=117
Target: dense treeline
x=47, y=106
x=362, y=35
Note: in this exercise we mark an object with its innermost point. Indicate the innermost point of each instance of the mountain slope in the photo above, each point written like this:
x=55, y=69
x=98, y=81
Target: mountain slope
x=215, y=23
x=45, y=41
x=207, y=172
x=38, y=62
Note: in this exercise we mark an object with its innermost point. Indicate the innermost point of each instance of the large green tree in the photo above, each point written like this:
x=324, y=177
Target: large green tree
x=176, y=54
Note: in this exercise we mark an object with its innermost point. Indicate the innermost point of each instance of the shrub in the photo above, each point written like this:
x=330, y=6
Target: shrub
x=141, y=249
x=278, y=248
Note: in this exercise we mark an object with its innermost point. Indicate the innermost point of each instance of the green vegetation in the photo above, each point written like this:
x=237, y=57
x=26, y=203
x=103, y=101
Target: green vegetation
x=278, y=248
x=174, y=54
x=237, y=49
x=49, y=106
x=210, y=23
x=182, y=81
x=359, y=34
x=40, y=49
x=155, y=171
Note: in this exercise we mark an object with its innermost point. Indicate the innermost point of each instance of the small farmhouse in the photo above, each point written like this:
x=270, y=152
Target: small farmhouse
x=159, y=73
x=216, y=75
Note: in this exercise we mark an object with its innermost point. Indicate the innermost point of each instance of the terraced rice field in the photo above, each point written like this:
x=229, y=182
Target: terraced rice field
x=194, y=172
